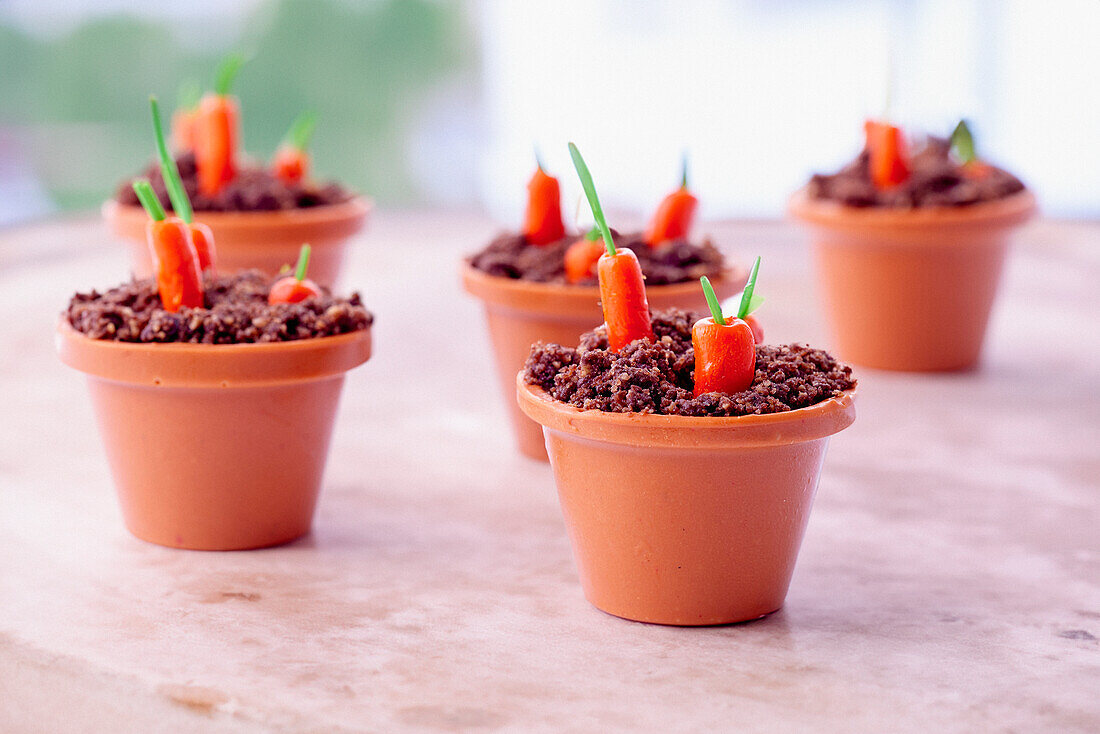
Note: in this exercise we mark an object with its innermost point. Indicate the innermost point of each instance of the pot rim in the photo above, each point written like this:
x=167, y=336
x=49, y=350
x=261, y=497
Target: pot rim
x=1006, y=212
x=353, y=209
x=212, y=365
x=688, y=432
x=534, y=296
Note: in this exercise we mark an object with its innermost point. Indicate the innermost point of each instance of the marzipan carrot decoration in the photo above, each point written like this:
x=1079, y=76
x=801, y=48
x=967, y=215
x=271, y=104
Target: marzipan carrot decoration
x=202, y=238
x=622, y=285
x=174, y=258
x=725, y=349
x=216, y=129
x=962, y=146
x=295, y=288
x=889, y=158
x=291, y=162
x=673, y=218
x=543, y=223
x=185, y=118
x=582, y=256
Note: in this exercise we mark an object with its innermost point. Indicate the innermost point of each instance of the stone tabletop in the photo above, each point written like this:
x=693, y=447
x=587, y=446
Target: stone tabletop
x=949, y=579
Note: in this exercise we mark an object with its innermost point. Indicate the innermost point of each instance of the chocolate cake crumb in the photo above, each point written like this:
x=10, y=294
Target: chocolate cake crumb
x=935, y=179
x=235, y=311
x=679, y=261
x=252, y=190
x=658, y=376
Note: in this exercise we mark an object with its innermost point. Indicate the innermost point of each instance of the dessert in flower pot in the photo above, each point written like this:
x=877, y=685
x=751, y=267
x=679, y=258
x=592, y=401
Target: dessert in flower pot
x=260, y=214
x=540, y=284
x=909, y=249
x=686, y=453
x=215, y=393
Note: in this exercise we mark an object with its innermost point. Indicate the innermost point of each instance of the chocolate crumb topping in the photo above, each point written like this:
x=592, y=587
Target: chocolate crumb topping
x=658, y=376
x=935, y=179
x=511, y=256
x=252, y=190
x=235, y=311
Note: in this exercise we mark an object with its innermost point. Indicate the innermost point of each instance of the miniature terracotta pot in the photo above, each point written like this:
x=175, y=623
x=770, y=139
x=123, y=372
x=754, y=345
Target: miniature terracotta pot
x=520, y=313
x=680, y=520
x=910, y=289
x=216, y=447
x=263, y=240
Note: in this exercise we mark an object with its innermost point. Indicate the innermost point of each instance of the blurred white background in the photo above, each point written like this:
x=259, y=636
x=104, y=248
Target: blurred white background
x=451, y=98
x=763, y=94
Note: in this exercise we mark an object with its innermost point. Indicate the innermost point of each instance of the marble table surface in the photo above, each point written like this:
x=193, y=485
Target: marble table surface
x=949, y=579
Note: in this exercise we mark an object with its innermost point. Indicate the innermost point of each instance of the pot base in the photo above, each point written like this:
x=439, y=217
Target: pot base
x=216, y=447
x=180, y=543
x=685, y=521
x=910, y=290
x=664, y=623
x=907, y=306
x=217, y=469
x=685, y=537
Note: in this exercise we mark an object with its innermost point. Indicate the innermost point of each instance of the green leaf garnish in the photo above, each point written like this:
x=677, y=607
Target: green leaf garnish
x=684, y=178
x=301, y=130
x=962, y=143
x=189, y=94
x=749, y=300
x=303, y=263
x=712, y=301
x=593, y=199
x=149, y=200
x=227, y=72
x=169, y=170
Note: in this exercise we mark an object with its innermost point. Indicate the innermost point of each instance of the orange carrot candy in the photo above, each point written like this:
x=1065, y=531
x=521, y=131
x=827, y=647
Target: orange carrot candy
x=297, y=287
x=184, y=119
x=543, y=223
x=202, y=238
x=725, y=350
x=674, y=216
x=622, y=285
x=964, y=150
x=582, y=256
x=889, y=157
x=291, y=162
x=217, y=130
x=174, y=258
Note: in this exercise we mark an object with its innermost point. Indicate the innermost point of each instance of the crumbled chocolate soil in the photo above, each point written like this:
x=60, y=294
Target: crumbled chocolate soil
x=936, y=179
x=253, y=190
x=510, y=256
x=657, y=377
x=236, y=311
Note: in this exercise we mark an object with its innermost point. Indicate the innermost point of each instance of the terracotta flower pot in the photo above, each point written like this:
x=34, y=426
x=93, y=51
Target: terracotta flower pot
x=680, y=520
x=520, y=313
x=263, y=240
x=910, y=289
x=216, y=447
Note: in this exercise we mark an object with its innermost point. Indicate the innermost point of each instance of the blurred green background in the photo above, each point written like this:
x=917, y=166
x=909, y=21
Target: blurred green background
x=73, y=105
